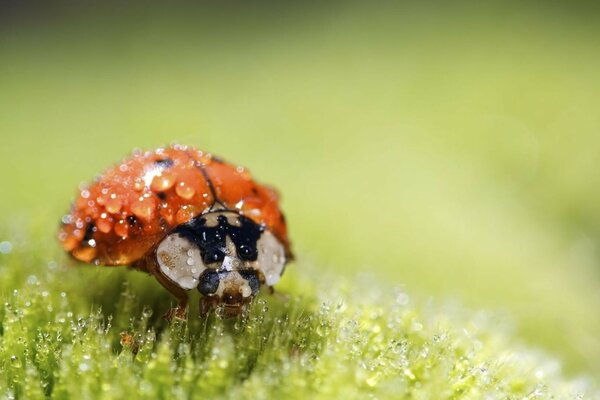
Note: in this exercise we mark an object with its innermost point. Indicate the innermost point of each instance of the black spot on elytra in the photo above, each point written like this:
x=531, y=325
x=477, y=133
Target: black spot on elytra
x=164, y=163
x=254, y=190
x=211, y=240
x=161, y=195
x=89, y=231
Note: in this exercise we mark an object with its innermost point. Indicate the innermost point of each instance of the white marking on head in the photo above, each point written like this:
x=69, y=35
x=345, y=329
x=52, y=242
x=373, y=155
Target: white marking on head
x=228, y=263
x=212, y=218
x=271, y=257
x=231, y=260
x=180, y=261
x=245, y=290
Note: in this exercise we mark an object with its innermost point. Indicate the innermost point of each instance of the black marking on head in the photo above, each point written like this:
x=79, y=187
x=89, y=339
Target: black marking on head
x=209, y=282
x=164, y=163
x=132, y=220
x=89, y=231
x=212, y=239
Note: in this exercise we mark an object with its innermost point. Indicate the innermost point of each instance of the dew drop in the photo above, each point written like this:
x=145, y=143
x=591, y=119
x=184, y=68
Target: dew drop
x=144, y=208
x=372, y=380
x=78, y=234
x=402, y=299
x=185, y=190
x=162, y=182
x=539, y=374
x=6, y=247
x=138, y=185
x=103, y=224
x=84, y=367
x=85, y=254
x=122, y=228
x=185, y=213
x=113, y=204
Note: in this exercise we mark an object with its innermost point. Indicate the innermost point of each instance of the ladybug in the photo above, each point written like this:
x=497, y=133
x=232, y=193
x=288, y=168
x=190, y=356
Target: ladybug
x=188, y=218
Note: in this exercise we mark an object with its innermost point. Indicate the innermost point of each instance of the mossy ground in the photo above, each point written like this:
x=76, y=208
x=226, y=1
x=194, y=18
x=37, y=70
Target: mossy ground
x=77, y=332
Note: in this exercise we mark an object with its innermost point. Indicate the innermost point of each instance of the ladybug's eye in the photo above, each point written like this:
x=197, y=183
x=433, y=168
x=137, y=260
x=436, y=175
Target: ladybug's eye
x=180, y=260
x=209, y=282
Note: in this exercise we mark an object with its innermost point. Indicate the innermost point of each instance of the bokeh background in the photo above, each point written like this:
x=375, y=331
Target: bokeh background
x=449, y=148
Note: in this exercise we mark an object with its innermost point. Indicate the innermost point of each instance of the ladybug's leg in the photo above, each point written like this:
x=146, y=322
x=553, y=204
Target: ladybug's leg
x=207, y=303
x=179, y=312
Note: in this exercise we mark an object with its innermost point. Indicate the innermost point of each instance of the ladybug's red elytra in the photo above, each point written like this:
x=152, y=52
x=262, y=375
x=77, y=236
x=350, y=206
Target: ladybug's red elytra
x=190, y=219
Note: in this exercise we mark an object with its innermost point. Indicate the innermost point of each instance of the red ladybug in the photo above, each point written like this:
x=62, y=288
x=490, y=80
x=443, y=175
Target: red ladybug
x=186, y=217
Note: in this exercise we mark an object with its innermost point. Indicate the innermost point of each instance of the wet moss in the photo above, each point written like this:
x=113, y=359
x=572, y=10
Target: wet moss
x=86, y=332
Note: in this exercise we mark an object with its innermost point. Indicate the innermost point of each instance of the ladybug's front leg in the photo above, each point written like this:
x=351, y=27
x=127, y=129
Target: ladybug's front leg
x=207, y=304
x=179, y=312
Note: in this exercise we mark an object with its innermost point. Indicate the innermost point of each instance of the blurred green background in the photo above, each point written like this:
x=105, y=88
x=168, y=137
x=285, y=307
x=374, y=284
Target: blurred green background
x=451, y=149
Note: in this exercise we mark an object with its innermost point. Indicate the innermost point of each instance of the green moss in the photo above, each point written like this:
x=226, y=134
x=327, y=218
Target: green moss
x=98, y=333
x=467, y=136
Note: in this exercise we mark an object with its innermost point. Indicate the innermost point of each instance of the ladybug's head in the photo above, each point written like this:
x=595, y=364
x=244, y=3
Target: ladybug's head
x=223, y=254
